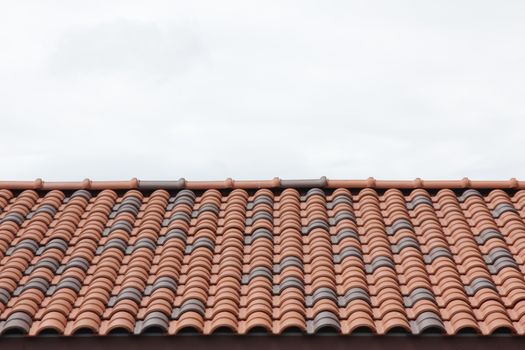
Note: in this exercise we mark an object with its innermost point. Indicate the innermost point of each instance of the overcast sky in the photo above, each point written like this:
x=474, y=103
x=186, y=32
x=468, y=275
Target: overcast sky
x=257, y=89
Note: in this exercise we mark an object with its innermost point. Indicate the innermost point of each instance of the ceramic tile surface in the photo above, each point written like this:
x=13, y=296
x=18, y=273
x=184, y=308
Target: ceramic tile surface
x=267, y=259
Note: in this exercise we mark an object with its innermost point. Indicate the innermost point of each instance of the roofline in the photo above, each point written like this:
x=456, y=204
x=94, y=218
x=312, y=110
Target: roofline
x=276, y=183
x=335, y=342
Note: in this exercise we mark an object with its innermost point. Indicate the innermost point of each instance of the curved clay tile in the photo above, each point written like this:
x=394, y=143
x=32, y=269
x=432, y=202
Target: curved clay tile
x=290, y=268
x=27, y=298
x=462, y=325
x=191, y=322
x=388, y=306
x=271, y=260
x=419, y=298
x=221, y=322
x=136, y=273
x=293, y=323
x=496, y=253
x=258, y=322
x=391, y=322
x=157, y=322
x=5, y=196
x=85, y=321
x=497, y=321
x=324, y=322
x=55, y=321
x=121, y=321
x=225, y=310
x=195, y=285
x=17, y=323
x=257, y=273
x=357, y=323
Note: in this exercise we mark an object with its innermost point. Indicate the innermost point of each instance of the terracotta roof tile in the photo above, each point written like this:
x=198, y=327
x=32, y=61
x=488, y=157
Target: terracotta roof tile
x=271, y=256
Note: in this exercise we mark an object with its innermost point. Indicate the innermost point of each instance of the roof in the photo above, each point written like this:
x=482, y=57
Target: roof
x=344, y=257
x=274, y=183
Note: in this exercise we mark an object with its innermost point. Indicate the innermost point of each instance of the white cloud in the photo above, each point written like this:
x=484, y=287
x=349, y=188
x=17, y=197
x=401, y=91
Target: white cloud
x=126, y=50
x=162, y=89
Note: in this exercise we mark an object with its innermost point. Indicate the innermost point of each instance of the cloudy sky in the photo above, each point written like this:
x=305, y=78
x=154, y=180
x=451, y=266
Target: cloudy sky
x=257, y=89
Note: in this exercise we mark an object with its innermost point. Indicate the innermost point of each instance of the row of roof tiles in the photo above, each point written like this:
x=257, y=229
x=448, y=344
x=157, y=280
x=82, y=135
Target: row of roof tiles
x=276, y=260
x=275, y=183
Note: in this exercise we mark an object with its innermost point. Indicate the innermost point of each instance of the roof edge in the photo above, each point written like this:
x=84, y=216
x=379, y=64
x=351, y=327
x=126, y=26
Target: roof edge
x=276, y=182
x=258, y=342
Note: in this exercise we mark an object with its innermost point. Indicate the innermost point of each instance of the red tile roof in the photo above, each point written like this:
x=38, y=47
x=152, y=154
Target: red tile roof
x=279, y=255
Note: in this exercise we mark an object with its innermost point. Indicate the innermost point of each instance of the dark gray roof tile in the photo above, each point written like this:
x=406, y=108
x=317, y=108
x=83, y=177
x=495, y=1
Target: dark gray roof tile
x=398, y=225
x=479, y=283
x=155, y=319
x=120, y=225
x=113, y=243
x=321, y=320
x=342, y=215
x=418, y=200
x=312, y=192
x=499, y=258
x=147, y=243
x=24, y=244
x=286, y=262
x=487, y=234
x=321, y=293
x=260, y=233
x=405, y=242
x=380, y=261
x=340, y=199
x=82, y=193
x=259, y=271
x=317, y=223
x=304, y=183
x=4, y=296
x=194, y=305
x=45, y=208
x=261, y=215
x=14, y=217
x=129, y=293
x=179, y=215
x=57, y=243
x=185, y=194
x=172, y=234
x=18, y=320
x=469, y=193
x=79, y=262
x=68, y=282
x=203, y=242
x=503, y=208
x=183, y=200
x=345, y=233
x=259, y=200
x=50, y=263
x=437, y=252
x=346, y=252
x=355, y=293
x=125, y=208
x=162, y=282
x=288, y=282
x=417, y=295
x=426, y=320
x=207, y=207
x=36, y=283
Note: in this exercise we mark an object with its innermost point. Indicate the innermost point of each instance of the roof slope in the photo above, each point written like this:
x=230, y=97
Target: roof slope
x=278, y=260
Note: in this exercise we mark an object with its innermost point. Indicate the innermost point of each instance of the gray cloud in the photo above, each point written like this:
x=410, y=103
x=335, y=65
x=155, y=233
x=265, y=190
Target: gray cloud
x=262, y=89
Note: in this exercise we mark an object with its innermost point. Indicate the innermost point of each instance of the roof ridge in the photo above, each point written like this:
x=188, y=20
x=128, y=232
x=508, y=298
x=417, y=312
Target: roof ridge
x=276, y=182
